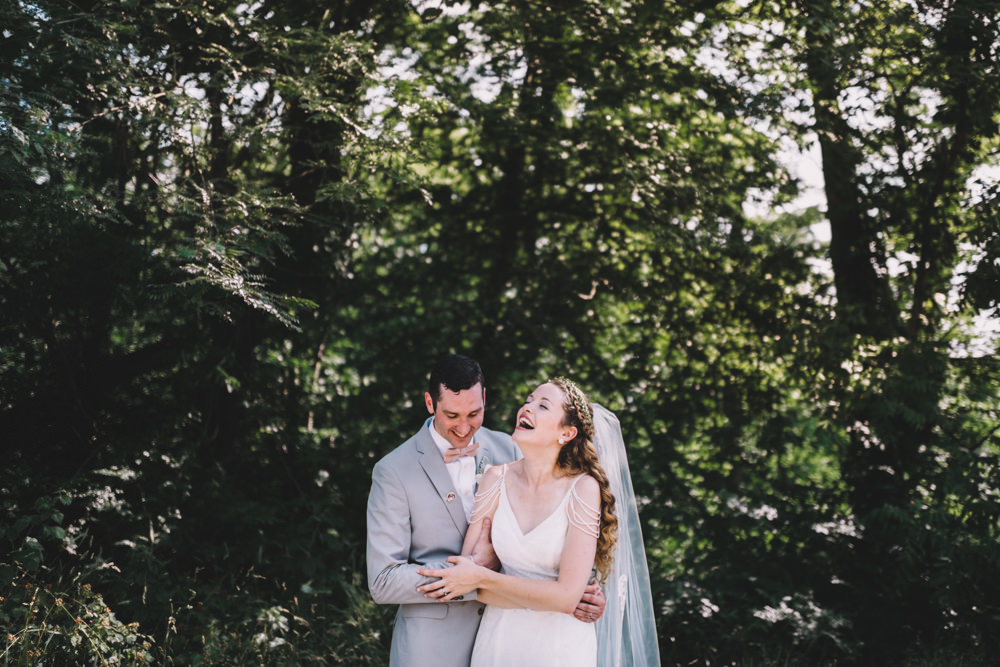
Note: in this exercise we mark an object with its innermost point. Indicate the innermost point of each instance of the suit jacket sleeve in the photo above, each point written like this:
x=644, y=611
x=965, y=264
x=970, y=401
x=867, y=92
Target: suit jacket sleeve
x=392, y=578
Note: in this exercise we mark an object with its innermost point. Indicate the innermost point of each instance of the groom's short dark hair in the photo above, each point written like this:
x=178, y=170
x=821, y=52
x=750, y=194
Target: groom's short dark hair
x=454, y=372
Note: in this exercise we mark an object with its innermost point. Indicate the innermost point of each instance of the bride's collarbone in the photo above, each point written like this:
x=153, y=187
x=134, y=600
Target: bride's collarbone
x=532, y=504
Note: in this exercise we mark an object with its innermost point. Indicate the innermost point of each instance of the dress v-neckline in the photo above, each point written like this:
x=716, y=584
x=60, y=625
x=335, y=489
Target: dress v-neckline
x=548, y=517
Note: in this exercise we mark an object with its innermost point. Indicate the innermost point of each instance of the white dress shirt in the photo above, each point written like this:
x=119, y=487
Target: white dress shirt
x=462, y=471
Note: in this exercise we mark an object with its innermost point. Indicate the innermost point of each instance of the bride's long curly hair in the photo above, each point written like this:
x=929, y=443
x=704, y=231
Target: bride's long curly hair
x=579, y=455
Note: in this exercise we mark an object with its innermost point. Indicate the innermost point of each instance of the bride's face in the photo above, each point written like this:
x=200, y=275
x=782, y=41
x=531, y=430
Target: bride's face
x=540, y=419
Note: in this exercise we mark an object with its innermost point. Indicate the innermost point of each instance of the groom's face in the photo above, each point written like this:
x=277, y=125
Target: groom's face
x=458, y=414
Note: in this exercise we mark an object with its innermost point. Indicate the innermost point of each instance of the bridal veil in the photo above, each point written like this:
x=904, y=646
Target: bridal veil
x=626, y=634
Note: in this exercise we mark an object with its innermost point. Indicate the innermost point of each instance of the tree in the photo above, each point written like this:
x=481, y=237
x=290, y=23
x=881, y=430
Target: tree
x=902, y=100
x=182, y=183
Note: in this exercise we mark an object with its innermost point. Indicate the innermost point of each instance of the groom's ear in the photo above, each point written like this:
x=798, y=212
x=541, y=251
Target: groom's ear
x=429, y=402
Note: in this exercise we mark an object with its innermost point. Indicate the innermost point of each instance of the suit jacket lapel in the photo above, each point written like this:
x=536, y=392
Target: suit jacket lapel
x=433, y=465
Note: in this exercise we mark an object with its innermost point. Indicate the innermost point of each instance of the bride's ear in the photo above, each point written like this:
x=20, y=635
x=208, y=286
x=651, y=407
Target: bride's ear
x=569, y=434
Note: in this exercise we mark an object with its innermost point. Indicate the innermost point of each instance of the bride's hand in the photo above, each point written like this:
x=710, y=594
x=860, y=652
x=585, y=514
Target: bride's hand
x=454, y=582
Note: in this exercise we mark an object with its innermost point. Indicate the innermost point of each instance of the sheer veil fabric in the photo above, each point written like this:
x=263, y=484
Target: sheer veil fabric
x=626, y=634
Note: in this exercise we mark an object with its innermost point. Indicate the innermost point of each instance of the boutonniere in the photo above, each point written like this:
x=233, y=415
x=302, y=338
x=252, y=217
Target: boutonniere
x=484, y=465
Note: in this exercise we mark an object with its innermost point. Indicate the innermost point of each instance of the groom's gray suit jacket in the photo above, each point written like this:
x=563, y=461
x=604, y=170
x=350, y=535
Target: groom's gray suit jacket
x=415, y=519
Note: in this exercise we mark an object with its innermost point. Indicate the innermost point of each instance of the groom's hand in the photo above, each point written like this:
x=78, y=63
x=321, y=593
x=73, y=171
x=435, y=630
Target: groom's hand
x=483, y=553
x=591, y=605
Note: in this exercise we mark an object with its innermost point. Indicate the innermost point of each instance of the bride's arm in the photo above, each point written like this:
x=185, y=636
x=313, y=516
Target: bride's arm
x=478, y=543
x=562, y=595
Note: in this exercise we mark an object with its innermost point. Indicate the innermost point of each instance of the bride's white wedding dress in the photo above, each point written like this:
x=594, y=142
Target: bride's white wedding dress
x=523, y=637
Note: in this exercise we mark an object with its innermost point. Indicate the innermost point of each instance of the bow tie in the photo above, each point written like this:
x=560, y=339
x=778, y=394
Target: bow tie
x=452, y=454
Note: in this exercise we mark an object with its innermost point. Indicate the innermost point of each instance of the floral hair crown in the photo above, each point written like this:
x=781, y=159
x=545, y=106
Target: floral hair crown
x=578, y=398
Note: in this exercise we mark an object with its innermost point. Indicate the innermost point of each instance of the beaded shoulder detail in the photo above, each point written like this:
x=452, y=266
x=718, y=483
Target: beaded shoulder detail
x=582, y=514
x=488, y=499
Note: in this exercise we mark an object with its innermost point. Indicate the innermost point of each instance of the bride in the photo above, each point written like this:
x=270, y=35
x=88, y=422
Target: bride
x=553, y=521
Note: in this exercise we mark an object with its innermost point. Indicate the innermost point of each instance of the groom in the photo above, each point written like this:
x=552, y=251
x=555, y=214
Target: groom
x=418, y=511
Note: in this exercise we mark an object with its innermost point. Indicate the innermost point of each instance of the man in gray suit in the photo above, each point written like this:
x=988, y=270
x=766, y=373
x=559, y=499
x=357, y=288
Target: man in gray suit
x=418, y=511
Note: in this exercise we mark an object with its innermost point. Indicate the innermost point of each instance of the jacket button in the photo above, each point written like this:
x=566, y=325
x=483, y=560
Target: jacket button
x=481, y=610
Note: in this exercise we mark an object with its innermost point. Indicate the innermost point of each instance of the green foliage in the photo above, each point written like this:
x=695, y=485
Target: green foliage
x=49, y=611
x=66, y=623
